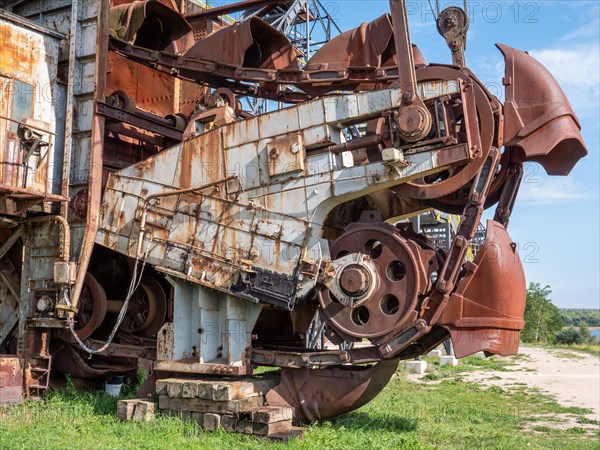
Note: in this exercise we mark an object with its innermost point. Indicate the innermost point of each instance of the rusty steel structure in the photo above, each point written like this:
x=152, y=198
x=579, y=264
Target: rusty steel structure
x=148, y=220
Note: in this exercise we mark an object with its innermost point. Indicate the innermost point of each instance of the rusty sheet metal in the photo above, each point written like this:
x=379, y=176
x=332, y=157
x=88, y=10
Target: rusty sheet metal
x=251, y=43
x=11, y=379
x=263, y=222
x=94, y=123
x=369, y=45
x=28, y=64
x=158, y=26
x=150, y=90
x=286, y=154
x=151, y=24
x=539, y=123
x=326, y=393
x=66, y=359
x=485, y=313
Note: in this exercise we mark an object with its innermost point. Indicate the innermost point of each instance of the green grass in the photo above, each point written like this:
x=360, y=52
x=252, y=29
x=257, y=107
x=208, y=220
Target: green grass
x=450, y=413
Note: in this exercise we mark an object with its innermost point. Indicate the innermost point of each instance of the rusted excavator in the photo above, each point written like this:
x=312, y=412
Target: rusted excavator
x=149, y=220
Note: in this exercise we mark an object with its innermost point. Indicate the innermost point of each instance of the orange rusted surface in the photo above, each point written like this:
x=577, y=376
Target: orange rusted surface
x=539, y=123
x=28, y=64
x=19, y=51
x=321, y=394
x=486, y=311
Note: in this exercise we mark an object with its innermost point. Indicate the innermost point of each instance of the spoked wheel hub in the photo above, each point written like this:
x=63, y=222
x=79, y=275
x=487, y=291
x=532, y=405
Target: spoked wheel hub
x=147, y=308
x=92, y=307
x=379, y=277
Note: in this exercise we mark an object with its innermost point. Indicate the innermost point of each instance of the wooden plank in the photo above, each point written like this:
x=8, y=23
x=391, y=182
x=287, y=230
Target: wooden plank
x=174, y=388
x=164, y=402
x=266, y=429
x=136, y=409
x=228, y=423
x=189, y=389
x=125, y=409
x=286, y=436
x=198, y=418
x=211, y=421
x=243, y=389
x=161, y=387
x=271, y=414
x=244, y=427
x=209, y=406
x=144, y=411
x=216, y=389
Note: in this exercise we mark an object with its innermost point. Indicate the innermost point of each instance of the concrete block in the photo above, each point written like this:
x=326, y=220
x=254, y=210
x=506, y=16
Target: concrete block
x=434, y=353
x=480, y=355
x=416, y=366
x=448, y=360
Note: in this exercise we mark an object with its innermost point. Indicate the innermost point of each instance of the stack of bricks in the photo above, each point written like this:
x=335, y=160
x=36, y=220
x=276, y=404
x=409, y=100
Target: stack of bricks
x=235, y=405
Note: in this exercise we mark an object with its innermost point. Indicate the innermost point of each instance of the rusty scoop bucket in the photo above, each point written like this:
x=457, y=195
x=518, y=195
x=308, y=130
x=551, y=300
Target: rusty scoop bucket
x=326, y=393
x=539, y=123
x=485, y=313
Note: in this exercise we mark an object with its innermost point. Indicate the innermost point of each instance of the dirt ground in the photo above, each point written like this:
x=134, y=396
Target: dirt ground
x=569, y=376
x=572, y=377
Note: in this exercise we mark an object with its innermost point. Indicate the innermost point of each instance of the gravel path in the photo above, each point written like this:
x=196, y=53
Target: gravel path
x=572, y=377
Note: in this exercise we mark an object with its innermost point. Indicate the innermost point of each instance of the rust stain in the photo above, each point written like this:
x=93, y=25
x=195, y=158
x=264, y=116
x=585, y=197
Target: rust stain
x=19, y=52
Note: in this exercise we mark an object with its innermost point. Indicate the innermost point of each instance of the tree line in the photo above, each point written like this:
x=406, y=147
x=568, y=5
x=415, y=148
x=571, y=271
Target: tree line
x=545, y=322
x=574, y=317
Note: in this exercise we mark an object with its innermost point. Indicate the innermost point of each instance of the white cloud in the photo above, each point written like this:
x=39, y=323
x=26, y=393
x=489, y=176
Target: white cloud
x=577, y=70
x=543, y=190
x=589, y=23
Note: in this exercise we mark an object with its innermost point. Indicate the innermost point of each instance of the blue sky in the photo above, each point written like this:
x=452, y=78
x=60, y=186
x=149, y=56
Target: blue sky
x=556, y=219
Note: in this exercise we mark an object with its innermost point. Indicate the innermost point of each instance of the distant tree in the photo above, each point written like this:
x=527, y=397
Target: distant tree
x=584, y=331
x=569, y=336
x=574, y=317
x=542, y=318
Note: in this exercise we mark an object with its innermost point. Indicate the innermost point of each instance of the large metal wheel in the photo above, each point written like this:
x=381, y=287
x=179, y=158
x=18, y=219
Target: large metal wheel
x=398, y=280
x=452, y=180
x=147, y=308
x=92, y=307
x=455, y=202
